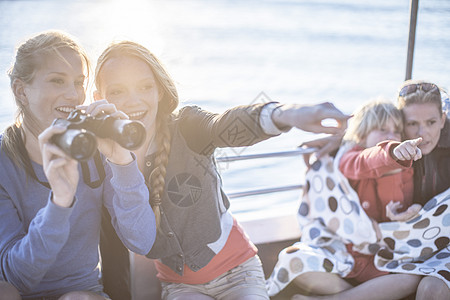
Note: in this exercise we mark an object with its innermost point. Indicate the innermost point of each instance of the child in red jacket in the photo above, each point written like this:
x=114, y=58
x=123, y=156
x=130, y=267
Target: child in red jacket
x=378, y=168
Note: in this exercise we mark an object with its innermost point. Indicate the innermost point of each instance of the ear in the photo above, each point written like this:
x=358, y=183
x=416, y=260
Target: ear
x=18, y=88
x=97, y=95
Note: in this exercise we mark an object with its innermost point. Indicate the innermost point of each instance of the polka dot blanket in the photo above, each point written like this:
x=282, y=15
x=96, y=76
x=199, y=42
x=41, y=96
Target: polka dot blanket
x=330, y=216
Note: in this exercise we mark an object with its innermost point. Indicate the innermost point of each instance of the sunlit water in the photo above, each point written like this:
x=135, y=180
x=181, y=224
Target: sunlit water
x=226, y=53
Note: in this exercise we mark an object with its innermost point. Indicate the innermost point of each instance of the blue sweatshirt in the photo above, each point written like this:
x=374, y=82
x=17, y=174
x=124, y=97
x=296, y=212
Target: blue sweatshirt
x=48, y=250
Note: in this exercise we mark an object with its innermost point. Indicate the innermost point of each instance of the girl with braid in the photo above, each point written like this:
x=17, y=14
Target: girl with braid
x=202, y=252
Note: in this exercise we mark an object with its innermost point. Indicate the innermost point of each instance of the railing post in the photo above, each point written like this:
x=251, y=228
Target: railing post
x=414, y=6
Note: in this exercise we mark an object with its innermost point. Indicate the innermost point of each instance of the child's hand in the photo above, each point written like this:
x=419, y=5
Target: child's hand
x=411, y=212
x=408, y=150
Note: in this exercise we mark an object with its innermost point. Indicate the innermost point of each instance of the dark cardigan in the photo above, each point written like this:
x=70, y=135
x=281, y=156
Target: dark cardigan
x=432, y=171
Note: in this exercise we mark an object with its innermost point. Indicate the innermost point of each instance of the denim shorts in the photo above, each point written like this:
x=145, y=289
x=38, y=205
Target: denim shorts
x=247, y=279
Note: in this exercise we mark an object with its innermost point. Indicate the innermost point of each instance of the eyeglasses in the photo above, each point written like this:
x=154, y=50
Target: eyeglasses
x=412, y=88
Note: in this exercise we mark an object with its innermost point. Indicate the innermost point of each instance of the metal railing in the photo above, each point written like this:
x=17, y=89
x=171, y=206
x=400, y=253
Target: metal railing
x=246, y=193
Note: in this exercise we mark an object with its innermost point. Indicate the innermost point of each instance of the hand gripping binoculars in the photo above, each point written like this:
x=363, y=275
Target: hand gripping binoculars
x=79, y=140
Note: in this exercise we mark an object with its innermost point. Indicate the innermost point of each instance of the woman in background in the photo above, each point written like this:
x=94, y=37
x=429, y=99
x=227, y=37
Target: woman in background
x=421, y=104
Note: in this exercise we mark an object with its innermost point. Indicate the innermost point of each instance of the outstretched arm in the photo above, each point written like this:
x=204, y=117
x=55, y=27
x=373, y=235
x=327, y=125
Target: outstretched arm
x=310, y=117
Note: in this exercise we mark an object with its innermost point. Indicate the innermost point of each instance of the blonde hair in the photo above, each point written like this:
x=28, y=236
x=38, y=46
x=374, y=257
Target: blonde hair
x=27, y=62
x=168, y=103
x=419, y=96
x=370, y=116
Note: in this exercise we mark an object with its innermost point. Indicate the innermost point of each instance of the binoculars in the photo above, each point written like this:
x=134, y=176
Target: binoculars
x=79, y=140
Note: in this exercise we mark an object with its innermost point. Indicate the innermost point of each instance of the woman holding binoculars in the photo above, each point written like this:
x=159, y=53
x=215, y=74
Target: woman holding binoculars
x=201, y=251
x=50, y=214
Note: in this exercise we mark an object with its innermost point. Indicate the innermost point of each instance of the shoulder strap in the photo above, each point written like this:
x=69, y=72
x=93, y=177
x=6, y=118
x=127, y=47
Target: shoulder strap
x=24, y=157
x=87, y=174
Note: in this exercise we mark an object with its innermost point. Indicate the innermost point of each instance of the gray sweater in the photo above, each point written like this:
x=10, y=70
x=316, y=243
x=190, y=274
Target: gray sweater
x=195, y=221
x=48, y=250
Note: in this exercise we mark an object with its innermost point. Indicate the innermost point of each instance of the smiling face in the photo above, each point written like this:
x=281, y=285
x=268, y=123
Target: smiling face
x=424, y=120
x=57, y=87
x=129, y=83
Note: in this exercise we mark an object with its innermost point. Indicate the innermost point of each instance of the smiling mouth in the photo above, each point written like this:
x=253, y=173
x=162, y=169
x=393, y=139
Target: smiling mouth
x=137, y=115
x=65, y=109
